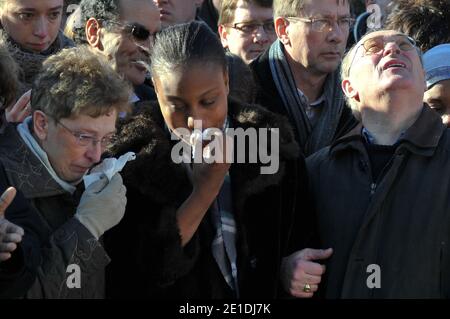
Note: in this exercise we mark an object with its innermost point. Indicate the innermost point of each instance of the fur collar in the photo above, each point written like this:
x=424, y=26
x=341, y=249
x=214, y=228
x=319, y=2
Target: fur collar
x=154, y=174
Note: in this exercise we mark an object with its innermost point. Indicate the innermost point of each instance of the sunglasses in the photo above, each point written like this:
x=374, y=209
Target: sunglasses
x=137, y=30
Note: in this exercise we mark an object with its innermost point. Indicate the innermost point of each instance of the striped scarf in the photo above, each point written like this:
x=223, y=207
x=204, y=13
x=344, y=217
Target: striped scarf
x=311, y=139
x=224, y=243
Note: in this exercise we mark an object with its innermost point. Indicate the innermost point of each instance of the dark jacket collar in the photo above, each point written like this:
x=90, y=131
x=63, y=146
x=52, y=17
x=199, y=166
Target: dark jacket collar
x=23, y=168
x=421, y=138
x=263, y=75
x=154, y=174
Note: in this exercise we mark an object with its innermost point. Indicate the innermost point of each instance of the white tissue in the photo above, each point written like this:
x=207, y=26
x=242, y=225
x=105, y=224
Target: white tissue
x=197, y=137
x=109, y=167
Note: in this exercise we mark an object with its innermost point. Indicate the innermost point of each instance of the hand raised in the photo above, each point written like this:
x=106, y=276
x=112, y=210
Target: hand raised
x=10, y=234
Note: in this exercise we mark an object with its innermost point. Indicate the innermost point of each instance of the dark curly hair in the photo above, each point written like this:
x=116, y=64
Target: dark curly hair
x=76, y=81
x=427, y=21
x=106, y=10
x=9, y=82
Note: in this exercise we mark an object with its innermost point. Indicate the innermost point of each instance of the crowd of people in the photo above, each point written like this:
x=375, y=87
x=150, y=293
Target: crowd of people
x=107, y=105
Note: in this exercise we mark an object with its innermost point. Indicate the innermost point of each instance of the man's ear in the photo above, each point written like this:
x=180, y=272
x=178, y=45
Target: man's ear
x=282, y=30
x=223, y=35
x=349, y=90
x=40, y=125
x=93, y=33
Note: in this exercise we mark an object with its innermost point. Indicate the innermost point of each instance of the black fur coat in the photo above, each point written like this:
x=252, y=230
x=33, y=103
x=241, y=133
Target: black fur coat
x=148, y=260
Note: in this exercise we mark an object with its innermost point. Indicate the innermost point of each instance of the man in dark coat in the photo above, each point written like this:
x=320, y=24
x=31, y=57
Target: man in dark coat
x=298, y=75
x=382, y=192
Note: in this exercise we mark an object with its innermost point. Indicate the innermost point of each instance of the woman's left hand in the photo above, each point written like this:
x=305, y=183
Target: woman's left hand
x=19, y=111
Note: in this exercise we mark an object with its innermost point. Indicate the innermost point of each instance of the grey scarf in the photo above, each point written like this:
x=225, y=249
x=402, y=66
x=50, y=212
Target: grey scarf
x=30, y=63
x=310, y=138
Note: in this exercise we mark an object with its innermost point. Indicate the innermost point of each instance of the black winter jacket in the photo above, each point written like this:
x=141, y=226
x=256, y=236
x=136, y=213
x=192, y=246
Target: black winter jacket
x=400, y=223
x=19, y=272
x=65, y=241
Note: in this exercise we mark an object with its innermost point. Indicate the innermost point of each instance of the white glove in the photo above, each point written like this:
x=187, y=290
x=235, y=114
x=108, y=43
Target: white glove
x=108, y=167
x=102, y=205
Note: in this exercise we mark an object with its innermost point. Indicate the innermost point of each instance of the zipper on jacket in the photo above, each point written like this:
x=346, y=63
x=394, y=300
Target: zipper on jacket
x=386, y=168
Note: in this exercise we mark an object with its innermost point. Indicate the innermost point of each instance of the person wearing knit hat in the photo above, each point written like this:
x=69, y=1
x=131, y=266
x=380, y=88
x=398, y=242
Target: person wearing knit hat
x=436, y=63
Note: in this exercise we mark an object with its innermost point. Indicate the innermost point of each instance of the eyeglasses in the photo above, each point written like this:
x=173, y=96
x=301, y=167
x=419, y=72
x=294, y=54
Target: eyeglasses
x=85, y=139
x=377, y=45
x=325, y=25
x=251, y=27
x=137, y=30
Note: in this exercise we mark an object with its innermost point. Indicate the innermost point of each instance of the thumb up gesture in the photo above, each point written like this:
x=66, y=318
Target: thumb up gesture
x=10, y=234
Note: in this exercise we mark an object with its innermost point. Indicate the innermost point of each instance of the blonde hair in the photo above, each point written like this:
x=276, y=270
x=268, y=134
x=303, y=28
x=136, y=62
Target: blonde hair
x=345, y=74
x=76, y=81
x=285, y=8
x=292, y=8
x=228, y=9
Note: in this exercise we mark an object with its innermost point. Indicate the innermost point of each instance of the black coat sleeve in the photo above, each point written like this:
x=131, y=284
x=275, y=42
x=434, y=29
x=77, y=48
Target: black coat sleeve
x=147, y=257
x=346, y=123
x=18, y=273
x=303, y=228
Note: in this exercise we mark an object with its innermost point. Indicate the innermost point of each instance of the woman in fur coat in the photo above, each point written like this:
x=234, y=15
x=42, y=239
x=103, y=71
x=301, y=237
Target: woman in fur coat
x=202, y=229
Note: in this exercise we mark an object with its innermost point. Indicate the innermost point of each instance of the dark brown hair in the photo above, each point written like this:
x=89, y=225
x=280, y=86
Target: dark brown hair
x=427, y=21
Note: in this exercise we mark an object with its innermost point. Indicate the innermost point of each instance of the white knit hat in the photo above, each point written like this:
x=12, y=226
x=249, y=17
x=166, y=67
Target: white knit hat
x=436, y=62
